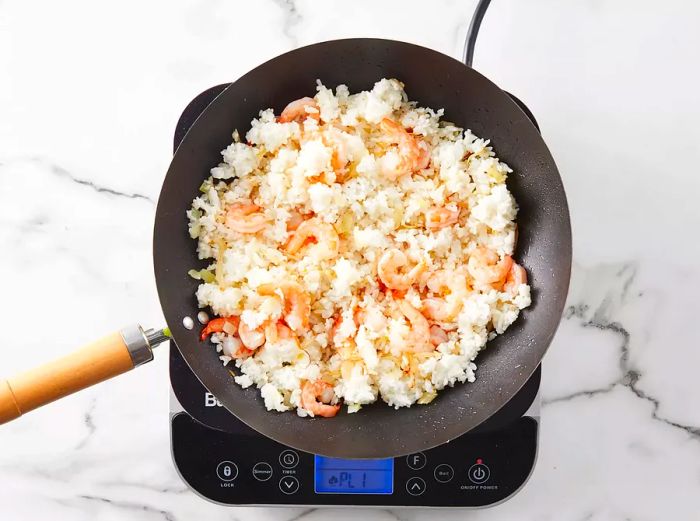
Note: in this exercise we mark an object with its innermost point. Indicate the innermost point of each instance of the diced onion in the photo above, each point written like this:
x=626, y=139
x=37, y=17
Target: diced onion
x=426, y=398
x=205, y=275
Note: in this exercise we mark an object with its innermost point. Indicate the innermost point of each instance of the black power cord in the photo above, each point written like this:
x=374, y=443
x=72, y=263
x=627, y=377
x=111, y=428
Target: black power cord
x=473, y=31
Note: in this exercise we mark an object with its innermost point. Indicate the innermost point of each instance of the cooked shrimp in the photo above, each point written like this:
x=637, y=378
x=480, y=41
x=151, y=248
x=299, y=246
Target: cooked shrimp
x=372, y=318
x=410, y=154
x=390, y=270
x=245, y=218
x=339, y=158
x=297, y=303
x=295, y=219
x=487, y=268
x=437, y=309
x=251, y=338
x=316, y=230
x=228, y=325
x=450, y=290
x=233, y=347
x=274, y=332
x=445, y=281
x=330, y=335
x=439, y=217
x=299, y=110
x=347, y=328
x=437, y=335
x=339, y=161
x=312, y=392
x=516, y=276
x=424, y=157
x=297, y=307
x=419, y=339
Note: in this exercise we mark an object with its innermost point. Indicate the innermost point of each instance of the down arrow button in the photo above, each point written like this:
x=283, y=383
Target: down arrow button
x=289, y=484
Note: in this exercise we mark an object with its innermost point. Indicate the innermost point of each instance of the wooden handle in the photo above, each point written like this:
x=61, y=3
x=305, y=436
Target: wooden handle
x=87, y=366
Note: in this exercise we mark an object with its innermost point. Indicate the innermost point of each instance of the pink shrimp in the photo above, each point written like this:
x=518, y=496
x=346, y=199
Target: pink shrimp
x=411, y=156
x=389, y=269
x=450, y=290
x=299, y=110
x=233, y=347
x=251, y=338
x=424, y=157
x=439, y=217
x=339, y=161
x=245, y=218
x=316, y=230
x=437, y=335
x=274, y=332
x=297, y=303
x=347, y=331
x=228, y=325
x=295, y=219
x=419, y=338
x=372, y=318
x=487, y=268
x=516, y=276
x=339, y=158
x=312, y=392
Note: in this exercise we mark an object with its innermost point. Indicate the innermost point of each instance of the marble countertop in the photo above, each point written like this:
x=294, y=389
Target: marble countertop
x=90, y=95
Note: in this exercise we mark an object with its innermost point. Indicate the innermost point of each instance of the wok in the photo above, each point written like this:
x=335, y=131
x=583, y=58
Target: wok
x=434, y=80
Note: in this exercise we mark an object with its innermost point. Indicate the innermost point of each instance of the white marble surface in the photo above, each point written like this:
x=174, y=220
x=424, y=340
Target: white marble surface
x=89, y=96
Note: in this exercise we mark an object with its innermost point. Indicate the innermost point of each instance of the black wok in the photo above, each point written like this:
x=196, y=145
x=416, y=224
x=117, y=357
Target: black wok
x=544, y=245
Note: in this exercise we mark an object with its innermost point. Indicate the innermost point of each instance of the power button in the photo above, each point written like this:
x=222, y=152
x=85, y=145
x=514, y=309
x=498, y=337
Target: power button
x=479, y=473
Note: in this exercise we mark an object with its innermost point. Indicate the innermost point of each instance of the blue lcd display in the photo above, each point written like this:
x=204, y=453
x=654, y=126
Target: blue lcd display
x=344, y=476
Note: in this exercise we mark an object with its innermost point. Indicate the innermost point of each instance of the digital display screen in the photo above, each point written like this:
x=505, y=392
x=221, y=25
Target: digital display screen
x=344, y=476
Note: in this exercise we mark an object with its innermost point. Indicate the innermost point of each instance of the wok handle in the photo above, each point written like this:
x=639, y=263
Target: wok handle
x=103, y=359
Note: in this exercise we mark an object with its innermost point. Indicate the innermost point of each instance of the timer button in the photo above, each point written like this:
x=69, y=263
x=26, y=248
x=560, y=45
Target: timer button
x=227, y=471
x=415, y=486
x=416, y=461
x=444, y=473
x=289, y=459
x=289, y=484
x=479, y=473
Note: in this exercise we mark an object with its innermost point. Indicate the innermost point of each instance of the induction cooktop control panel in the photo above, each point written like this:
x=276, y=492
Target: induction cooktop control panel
x=245, y=468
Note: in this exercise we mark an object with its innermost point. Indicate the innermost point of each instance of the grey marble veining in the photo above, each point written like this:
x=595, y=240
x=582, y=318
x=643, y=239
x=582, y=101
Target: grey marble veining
x=88, y=105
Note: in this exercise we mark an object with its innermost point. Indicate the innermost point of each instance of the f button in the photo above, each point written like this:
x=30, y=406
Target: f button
x=416, y=461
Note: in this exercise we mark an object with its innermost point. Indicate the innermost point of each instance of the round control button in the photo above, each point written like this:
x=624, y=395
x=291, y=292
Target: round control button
x=289, y=459
x=444, y=473
x=262, y=471
x=416, y=461
x=227, y=471
x=415, y=486
x=479, y=473
x=289, y=484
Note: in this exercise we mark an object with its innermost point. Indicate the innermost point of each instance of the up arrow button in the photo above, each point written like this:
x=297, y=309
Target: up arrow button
x=415, y=486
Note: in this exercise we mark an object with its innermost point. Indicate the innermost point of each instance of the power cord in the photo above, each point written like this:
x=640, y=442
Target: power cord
x=473, y=31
